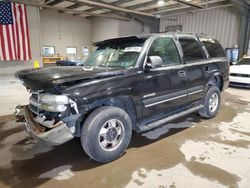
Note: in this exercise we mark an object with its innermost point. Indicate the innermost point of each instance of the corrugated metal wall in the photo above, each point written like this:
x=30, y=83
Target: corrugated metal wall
x=220, y=23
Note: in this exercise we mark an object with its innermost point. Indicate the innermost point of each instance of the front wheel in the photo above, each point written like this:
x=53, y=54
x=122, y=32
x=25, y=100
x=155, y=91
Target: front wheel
x=212, y=103
x=106, y=133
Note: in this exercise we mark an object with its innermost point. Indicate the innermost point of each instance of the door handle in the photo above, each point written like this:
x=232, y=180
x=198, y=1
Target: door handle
x=206, y=68
x=182, y=73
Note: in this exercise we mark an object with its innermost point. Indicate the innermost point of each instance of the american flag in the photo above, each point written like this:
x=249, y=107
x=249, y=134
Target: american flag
x=14, y=32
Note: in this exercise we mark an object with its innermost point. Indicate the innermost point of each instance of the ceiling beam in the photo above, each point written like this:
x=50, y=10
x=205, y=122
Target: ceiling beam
x=144, y=4
x=241, y=5
x=96, y=8
x=193, y=11
x=183, y=7
x=120, y=2
x=164, y=7
x=113, y=7
x=32, y=3
x=54, y=2
x=189, y=4
x=48, y=1
x=93, y=9
x=187, y=9
x=77, y=5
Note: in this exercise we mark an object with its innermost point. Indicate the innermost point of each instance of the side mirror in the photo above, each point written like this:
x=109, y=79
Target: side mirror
x=154, y=62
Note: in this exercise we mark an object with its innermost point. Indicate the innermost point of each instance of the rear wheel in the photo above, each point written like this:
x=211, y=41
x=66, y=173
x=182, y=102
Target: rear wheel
x=106, y=133
x=211, y=103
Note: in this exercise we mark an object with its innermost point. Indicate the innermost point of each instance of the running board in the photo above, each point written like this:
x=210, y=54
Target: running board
x=168, y=119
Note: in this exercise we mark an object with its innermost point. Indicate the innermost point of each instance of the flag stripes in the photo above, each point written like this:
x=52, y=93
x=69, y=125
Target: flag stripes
x=14, y=33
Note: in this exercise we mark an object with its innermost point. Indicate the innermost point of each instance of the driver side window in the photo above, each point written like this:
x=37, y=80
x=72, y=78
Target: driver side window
x=166, y=49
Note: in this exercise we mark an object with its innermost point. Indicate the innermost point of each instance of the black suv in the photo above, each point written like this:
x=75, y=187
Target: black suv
x=131, y=83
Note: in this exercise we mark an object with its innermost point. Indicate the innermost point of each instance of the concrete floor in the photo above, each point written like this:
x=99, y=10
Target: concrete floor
x=190, y=152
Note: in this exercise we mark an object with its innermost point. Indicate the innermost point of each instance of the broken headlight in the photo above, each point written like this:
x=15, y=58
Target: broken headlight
x=54, y=99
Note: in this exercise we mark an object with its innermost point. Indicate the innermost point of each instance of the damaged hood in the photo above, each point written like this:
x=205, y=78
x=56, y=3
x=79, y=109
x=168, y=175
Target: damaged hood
x=45, y=78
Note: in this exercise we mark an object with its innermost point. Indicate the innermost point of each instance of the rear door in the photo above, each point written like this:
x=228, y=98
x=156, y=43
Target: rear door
x=163, y=88
x=196, y=66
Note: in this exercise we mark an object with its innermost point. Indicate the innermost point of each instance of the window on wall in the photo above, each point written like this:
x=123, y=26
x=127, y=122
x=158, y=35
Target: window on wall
x=71, y=50
x=192, y=51
x=166, y=49
x=48, y=50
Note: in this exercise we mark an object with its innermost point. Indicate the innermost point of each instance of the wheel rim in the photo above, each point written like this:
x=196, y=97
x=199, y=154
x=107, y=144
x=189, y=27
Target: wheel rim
x=111, y=134
x=213, y=102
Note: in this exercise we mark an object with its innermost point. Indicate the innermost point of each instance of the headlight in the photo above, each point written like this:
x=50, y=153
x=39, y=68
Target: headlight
x=54, y=99
x=53, y=108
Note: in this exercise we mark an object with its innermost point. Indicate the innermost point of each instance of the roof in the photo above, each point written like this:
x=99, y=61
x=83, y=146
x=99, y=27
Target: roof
x=146, y=36
x=120, y=39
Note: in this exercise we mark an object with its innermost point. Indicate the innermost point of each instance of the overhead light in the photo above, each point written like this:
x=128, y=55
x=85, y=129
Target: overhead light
x=160, y=3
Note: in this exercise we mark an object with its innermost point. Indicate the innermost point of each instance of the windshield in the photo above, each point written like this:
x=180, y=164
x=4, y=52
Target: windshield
x=244, y=61
x=116, y=54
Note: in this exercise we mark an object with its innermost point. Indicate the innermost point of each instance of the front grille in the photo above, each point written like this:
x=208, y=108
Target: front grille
x=33, y=109
x=240, y=75
x=34, y=96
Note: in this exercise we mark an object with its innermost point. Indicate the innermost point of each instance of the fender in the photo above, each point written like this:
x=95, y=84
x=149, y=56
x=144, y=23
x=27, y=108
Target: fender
x=124, y=102
x=215, y=79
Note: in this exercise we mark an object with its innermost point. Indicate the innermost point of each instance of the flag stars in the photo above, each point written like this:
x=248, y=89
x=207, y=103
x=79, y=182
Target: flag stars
x=6, y=13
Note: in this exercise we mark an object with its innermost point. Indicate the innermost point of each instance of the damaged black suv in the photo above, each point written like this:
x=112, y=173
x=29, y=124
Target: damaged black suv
x=134, y=83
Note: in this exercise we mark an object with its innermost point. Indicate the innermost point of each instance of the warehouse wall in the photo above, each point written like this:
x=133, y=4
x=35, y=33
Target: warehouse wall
x=132, y=27
x=34, y=29
x=64, y=30
x=220, y=23
x=105, y=28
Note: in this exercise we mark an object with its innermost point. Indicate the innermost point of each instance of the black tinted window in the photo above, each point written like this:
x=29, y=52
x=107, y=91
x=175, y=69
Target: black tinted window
x=191, y=49
x=214, y=49
x=166, y=49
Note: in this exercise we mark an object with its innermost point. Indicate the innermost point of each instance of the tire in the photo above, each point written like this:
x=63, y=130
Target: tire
x=212, y=103
x=103, y=126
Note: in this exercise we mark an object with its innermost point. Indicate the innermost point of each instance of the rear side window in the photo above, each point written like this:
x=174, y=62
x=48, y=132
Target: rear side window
x=191, y=49
x=214, y=49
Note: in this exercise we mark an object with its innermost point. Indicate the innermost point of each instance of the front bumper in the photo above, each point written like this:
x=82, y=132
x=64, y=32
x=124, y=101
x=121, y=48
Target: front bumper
x=243, y=82
x=56, y=136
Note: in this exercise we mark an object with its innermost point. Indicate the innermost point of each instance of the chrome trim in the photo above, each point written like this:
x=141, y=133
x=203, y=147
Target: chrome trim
x=149, y=95
x=194, y=92
x=166, y=100
x=173, y=98
x=35, y=103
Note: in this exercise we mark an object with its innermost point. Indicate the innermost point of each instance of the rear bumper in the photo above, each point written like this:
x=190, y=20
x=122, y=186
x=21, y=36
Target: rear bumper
x=56, y=136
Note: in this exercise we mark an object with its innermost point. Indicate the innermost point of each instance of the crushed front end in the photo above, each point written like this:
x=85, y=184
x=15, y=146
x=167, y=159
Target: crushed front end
x=50, y=118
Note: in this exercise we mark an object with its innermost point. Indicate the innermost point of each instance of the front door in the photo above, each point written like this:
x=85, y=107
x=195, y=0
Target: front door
x=163, y=89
